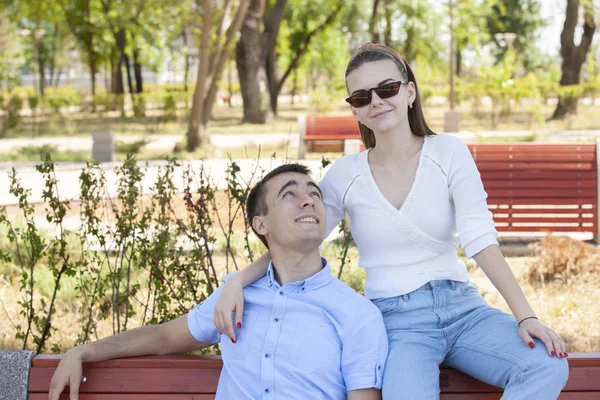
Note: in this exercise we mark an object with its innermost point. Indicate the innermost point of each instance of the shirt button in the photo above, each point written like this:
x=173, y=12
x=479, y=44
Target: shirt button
x=276, y=319
x=266, y=390
x=267, y=355
x=281, y=293
x=379, y=367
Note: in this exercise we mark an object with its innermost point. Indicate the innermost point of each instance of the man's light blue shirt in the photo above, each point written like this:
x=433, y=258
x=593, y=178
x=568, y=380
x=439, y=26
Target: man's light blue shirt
x=311, y=339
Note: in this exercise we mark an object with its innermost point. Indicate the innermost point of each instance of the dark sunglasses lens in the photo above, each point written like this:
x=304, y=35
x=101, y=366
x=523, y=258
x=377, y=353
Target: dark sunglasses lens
x=388, y=90
x=360, y=100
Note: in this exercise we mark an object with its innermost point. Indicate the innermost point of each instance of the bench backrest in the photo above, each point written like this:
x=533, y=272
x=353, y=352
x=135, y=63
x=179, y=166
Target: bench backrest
x=195, y=377
x=540, y=187
x=331, y=128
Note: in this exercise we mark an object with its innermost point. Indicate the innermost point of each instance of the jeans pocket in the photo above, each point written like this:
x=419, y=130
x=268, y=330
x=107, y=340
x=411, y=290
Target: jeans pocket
x=318, y=347
x=388, y=305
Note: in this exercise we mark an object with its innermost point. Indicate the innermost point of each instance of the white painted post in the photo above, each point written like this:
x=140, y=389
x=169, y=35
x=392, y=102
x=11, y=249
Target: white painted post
x=103, y=146
x=301, y=120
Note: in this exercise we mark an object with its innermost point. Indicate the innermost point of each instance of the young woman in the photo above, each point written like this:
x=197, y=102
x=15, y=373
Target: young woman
x=409, y=196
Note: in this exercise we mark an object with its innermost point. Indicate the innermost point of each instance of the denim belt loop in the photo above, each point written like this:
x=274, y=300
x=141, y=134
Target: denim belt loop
x=453, y=283
x=405, y=297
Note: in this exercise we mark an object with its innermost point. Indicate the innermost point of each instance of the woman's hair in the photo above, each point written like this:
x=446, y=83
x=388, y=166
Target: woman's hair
x=370, y=52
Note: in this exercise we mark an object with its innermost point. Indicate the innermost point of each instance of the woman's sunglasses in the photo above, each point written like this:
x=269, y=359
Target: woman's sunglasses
x=384, y=91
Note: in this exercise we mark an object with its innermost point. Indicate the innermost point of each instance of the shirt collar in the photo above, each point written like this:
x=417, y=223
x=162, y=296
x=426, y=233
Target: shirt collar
x=320, y=279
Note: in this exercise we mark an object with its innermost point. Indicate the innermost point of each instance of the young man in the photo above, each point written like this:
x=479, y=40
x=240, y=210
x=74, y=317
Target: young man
x=305, y=334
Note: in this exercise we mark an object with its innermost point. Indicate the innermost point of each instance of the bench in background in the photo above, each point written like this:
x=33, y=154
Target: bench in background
x=196, y=377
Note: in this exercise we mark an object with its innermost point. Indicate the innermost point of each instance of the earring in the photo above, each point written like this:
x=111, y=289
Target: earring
x=410, y=105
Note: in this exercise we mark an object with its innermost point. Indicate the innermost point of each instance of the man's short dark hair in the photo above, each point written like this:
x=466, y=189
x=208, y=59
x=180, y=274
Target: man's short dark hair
x=256, y=204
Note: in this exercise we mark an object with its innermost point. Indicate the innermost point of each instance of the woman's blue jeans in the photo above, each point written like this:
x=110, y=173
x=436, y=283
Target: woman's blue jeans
x=448, y=322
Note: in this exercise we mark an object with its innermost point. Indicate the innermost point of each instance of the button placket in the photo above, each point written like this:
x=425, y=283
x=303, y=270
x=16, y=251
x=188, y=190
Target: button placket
x=272, y=336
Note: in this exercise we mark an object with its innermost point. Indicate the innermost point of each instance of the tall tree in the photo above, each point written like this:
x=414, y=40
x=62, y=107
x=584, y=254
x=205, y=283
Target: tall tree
x=216, y=42
x=521, y=17
x=256, y=45
x=574, y=55
x=307, y=19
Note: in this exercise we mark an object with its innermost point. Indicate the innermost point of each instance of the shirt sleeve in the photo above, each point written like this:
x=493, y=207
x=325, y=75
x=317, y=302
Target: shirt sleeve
x=333, y=196
x=200, y=320
x=364, y=352
x=474, y=221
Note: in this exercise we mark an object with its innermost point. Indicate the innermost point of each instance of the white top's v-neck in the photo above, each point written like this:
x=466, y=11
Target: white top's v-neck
x=402, y=249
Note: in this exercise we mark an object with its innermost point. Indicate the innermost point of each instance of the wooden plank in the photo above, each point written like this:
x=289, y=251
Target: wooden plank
x=135, y=380
x=542, y=201
x=123, y=396
x=511, y=228
x=545, y=219
x=590, y=212
x=540, y=184
x=537, y=147
x=528, y=156
x=583, y=378
x=501, y=166
x=170, y=361
x=536, y=175
x=541, y=193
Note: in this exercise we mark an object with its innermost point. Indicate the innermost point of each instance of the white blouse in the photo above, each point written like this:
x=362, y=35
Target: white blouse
x=402, y=249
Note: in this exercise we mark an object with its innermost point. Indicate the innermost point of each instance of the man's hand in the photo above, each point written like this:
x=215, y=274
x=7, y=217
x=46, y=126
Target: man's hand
x=68, y=372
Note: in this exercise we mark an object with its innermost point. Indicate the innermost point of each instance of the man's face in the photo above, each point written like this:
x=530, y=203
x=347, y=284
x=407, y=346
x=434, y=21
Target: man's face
x=296, y=215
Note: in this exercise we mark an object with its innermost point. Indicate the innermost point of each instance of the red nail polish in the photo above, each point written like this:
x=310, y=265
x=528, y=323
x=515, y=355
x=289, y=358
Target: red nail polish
x=531, y=344
x=560, y=355
x=239, y=325
x=566, y=354
x=232, y=340
x=552, y=354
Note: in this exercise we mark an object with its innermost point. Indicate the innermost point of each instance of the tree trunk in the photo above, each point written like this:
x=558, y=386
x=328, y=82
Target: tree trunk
x=271, y=75
x=137, y=69
x=458, y=62
x=387, y=35
x=373, y=22
x=186, y=69
x=116, y=74
x=206, y=88
x=573, y=56
x=41, y=67
x=249, y=61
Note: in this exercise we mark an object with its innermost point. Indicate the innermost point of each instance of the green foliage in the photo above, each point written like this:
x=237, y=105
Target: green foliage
x=131, y=147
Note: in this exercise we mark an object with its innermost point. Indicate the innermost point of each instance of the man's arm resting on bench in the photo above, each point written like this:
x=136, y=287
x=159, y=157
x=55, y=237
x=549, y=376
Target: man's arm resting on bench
x=172, y=337
x=364, y=394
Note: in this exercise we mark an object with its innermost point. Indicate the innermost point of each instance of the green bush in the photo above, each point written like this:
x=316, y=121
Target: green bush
x=13, y=109
x=139, y=105
x=131, y=147
x=170, y=106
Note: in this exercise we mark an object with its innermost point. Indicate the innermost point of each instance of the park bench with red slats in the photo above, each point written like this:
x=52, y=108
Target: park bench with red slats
x=196, y=377
x=532, y=187
x=535, y=187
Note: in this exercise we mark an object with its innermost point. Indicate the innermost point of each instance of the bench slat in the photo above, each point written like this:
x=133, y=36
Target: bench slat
x=533, y=157
x=123, y=396
x=503, y=166
x=536, y=175
x=169, y=361
x=542, y=201
x=134, y=380
x=540, y=184
x=539, y=193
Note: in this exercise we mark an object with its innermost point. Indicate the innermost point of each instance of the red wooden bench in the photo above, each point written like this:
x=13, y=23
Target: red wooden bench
x=195, y=378
x=325, y=134
x=535, y=187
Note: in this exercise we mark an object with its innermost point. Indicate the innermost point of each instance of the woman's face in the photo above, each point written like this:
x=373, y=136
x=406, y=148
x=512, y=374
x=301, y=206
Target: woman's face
x=381, y=115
